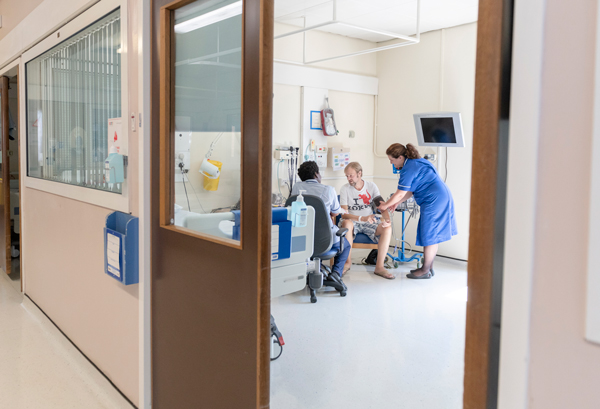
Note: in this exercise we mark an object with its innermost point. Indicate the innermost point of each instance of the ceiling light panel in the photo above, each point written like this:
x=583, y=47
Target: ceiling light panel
x=397, y=16
x=212, y=17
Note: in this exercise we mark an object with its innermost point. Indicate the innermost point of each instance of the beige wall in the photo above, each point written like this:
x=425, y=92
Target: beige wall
x=438, y=74
x=13, y=12
x=62, y=239
x=64, y=274
x=352, y=111
x=564, y=369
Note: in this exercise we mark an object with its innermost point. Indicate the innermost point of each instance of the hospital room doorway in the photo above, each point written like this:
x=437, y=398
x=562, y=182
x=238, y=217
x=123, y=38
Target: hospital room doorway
x=211, y=269
x=381, y=342
x=10, y=238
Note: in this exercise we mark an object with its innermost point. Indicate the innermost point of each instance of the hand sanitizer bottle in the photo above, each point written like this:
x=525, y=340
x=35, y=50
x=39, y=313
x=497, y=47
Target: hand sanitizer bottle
x=299, y=211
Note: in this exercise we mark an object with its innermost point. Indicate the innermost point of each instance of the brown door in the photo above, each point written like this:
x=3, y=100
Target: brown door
x=5, y=182
x=211, y=155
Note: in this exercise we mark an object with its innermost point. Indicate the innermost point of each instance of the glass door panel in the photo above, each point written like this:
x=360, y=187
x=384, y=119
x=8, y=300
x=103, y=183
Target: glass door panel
x=207, y=98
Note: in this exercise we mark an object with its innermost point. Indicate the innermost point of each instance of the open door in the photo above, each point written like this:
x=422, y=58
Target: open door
x=212, y=64
x=5, y=232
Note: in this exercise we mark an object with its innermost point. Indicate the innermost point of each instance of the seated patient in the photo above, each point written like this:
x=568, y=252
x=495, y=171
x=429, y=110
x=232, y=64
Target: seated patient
x=311, y=183
x=356, y=197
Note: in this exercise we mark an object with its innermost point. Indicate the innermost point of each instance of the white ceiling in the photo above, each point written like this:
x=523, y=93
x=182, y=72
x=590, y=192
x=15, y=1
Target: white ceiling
x=397, y=16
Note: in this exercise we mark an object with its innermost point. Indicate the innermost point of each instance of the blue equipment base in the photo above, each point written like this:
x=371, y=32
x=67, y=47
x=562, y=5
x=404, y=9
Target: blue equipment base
x=401, y=257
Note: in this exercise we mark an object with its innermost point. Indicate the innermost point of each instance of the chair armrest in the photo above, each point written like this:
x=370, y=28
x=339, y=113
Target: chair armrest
x=341, y=232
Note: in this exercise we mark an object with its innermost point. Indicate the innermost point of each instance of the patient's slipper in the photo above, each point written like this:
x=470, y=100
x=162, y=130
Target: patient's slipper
x=382, y=274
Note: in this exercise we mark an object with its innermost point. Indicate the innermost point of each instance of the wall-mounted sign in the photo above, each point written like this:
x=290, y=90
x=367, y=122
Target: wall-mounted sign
x=116, y=136
x=315, y=120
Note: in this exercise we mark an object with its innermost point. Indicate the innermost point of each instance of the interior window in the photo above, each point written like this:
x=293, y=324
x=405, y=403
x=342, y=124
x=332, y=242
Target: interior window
x=73, y=91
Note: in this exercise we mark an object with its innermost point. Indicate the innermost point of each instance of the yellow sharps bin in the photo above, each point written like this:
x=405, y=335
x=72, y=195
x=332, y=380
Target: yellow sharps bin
x=213, y=184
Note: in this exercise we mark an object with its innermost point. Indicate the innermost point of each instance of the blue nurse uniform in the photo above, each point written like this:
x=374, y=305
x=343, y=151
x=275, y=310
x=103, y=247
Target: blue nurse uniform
x=437, y=222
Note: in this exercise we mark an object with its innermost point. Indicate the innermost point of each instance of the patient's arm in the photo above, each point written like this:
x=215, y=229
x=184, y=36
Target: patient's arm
x=347, y=215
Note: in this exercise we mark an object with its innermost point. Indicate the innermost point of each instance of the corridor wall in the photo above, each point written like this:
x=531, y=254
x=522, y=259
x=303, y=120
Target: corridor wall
x=62, y=238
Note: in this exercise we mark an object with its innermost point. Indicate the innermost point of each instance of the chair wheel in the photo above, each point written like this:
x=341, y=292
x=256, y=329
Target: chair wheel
x=313, y=299
x=343, y=293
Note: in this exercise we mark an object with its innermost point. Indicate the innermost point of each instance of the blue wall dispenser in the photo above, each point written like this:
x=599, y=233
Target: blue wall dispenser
x=121, y=253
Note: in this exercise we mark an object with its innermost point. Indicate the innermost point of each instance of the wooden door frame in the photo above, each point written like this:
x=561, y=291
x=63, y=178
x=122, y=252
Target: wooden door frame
x=13, y=69
x=5, y=171
x=488, y=203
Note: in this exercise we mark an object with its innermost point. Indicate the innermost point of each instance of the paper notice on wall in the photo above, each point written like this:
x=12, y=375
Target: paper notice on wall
x=113, y=252
x=116, y=136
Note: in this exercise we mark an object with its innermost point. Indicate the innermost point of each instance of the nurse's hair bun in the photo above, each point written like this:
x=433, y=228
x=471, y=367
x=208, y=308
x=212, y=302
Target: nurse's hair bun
x=397, y=149
x=411, y=152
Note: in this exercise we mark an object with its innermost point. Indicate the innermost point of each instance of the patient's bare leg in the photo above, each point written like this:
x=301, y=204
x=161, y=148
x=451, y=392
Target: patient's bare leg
x=349, y=224
x=385, y=235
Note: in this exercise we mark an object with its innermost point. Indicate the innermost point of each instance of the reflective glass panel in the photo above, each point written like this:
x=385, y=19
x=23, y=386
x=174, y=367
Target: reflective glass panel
x=208, y=80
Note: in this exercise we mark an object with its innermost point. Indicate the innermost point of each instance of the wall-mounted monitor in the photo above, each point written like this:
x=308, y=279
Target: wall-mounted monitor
x=439, y=129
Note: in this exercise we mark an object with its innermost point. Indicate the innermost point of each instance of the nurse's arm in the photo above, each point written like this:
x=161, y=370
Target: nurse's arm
x=397, y=198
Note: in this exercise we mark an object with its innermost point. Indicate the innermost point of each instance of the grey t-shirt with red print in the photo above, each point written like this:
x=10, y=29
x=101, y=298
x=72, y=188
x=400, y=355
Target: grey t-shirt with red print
x=359, y=201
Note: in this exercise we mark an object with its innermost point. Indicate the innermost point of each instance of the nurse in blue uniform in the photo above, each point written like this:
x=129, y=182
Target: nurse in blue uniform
x=419, y=179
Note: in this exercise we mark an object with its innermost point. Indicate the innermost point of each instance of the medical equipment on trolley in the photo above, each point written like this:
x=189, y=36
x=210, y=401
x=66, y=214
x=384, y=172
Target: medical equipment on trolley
x=412, y=208
x=290, y=265
x=399, y=254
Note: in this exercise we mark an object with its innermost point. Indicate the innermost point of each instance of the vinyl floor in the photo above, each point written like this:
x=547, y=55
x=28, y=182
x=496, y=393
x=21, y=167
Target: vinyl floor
x=389, y=344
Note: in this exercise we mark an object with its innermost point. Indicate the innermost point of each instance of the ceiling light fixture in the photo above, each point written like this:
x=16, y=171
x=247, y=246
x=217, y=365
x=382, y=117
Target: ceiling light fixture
x=231, y=10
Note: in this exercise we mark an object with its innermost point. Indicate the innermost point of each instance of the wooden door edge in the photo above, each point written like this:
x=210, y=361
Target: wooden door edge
x=265, y=141
x=6, y=173
x=488, y=193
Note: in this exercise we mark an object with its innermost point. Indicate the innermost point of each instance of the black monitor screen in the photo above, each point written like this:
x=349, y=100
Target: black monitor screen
x=438, y=130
